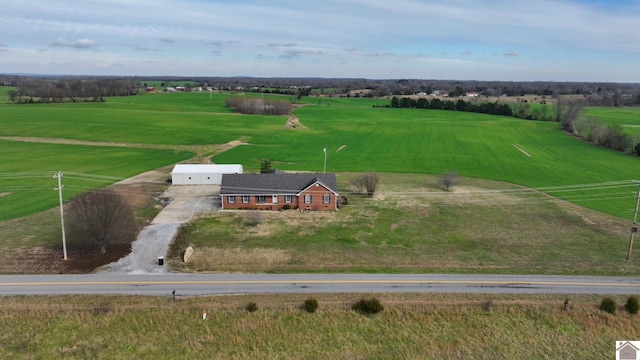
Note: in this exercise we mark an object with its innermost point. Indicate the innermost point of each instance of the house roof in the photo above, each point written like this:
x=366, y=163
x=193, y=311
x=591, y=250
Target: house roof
x=207, y=169
x=270, y=184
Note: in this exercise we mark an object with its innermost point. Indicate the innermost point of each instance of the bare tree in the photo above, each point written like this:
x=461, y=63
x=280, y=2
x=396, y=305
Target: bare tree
x=358, y=183
x=568, y=110
x=615, y=138
x=368, y=182
x=449, y=179
x=249, y=105
x=588, y=127
x=101, y=218
x=254, y=217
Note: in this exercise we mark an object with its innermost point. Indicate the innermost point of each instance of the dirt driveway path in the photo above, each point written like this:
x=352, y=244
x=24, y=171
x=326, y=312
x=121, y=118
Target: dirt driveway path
x=154, y=240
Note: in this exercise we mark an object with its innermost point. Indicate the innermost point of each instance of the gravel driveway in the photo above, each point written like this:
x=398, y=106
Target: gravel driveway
x=154, y=240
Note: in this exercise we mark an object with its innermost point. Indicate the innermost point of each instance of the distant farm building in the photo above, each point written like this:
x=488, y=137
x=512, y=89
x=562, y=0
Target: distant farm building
x=202, y=174
x=150, y=89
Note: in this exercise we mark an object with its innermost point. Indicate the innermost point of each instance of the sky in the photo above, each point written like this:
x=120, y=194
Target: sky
x=505, y=40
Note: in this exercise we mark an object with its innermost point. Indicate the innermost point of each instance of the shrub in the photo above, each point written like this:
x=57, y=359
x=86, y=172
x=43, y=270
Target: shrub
x=608, y=305
x=488, y=305
x=286, y=207
x=368, y=306
x=254, y=217
x=342, y=200
x=310, y=305
x=252, y=307
x=632, y=306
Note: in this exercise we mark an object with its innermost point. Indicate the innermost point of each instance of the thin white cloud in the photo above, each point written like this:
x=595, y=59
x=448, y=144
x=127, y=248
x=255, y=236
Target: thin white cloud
x=380, y=54
x=367, y=38
x=77, y=44
x=144, y=48
x=295, y=54
x=282, y=45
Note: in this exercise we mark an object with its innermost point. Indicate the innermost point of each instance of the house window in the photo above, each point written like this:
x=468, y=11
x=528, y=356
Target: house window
x=245, y=199
x=326, y=199
x=260, y=199
x=232, y=199
x=307, y=199
x=287, y=199
x=274, y=199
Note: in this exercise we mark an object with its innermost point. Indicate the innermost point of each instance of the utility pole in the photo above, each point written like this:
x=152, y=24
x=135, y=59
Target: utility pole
x=634, y=228
x=59, y=188
x=324, y=169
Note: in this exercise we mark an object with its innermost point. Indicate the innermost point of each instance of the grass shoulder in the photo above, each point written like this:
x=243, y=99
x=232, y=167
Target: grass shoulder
x=410, y=326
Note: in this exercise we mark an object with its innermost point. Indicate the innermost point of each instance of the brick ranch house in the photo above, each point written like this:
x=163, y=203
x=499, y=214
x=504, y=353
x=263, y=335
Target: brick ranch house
x=279, y=191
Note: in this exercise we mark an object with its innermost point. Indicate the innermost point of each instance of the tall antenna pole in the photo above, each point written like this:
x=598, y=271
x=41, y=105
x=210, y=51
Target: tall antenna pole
x=59, y=188
x=634, y=228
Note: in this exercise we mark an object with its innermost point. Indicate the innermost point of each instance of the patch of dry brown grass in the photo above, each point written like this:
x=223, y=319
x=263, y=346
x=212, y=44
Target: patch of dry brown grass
x=258, y=258
x=453, y=326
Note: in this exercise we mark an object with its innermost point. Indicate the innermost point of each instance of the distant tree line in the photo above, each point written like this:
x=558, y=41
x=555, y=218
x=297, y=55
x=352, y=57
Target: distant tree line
x=594, y=93
x=52, y=91
x=493, y=108
x=258, y=106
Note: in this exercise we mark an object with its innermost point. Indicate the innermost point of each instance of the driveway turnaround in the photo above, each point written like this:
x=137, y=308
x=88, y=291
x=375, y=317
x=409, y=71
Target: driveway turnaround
x=150, y=248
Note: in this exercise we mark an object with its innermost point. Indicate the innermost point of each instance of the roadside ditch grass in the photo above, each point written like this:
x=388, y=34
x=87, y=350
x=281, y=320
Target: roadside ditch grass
x=411, y=326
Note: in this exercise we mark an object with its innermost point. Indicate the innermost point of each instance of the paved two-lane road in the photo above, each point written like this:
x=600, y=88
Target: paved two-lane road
x=217, y=284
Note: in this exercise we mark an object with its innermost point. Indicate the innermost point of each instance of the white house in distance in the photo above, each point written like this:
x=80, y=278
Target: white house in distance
x=202, y=174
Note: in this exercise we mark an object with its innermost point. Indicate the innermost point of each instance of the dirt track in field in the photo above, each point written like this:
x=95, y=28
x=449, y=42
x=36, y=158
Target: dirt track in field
x=203, y=152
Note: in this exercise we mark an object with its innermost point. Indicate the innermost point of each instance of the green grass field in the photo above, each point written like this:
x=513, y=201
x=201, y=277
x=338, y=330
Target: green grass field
x=532, y=154
x=26, y=181
x=629, y=118
x=358, y=137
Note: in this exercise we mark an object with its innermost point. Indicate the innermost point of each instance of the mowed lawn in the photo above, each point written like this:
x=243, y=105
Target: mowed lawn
x=414, y=226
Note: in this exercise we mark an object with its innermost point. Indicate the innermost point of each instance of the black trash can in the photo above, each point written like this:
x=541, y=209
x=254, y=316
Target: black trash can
x=161, y=260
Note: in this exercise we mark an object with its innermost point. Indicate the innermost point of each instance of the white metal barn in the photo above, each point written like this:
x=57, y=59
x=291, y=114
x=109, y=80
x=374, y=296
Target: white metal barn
x=202, y=174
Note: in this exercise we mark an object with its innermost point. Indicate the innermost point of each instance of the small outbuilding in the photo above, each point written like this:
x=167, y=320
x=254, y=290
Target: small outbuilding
x=202, y=174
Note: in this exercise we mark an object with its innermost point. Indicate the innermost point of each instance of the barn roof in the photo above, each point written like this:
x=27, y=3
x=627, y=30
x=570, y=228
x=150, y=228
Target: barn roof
x=207, y=169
